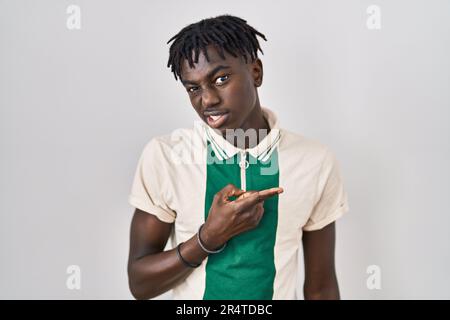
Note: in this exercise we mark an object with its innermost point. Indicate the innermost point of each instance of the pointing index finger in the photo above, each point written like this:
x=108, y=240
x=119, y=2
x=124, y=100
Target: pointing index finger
x=267, y=193
x=251, y=198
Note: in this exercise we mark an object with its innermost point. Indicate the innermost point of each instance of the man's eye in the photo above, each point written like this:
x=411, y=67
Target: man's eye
x=221, y=80
x=192, y=89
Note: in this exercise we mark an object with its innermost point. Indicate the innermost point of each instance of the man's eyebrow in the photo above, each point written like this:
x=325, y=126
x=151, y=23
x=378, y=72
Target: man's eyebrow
x=209, y=75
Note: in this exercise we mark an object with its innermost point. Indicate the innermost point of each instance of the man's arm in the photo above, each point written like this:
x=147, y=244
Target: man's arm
x=152, y=271
x=320, y=275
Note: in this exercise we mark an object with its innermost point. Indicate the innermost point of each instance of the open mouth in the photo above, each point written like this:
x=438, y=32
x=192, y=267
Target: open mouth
x=216, y=121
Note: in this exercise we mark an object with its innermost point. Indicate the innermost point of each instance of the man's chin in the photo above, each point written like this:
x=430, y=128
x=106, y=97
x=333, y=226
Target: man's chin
x=223, y=129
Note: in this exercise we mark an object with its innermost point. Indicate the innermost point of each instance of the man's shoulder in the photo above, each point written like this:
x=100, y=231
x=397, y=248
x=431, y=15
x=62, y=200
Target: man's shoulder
x=172, y=138
x=176, y=140
x=300, y=144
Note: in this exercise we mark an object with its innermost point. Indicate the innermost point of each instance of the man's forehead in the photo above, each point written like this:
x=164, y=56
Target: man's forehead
x=203, y=66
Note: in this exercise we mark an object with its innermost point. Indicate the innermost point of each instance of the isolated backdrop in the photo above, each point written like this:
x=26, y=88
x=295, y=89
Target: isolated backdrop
x=78, y=105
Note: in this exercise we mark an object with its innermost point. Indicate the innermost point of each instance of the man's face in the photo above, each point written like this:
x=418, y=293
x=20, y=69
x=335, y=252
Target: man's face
x=223, y=92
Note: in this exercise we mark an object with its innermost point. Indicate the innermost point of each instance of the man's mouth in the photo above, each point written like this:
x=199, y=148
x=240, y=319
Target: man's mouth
x=217, y=120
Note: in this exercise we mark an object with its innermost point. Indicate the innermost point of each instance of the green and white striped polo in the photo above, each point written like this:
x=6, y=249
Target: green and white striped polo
x=178, y=175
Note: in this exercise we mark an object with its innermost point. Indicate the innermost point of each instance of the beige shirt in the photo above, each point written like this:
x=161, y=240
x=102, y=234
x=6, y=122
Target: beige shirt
x=170, y=183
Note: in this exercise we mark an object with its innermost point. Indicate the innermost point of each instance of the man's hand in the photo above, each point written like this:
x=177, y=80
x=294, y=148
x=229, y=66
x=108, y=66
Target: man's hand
x=227, y=218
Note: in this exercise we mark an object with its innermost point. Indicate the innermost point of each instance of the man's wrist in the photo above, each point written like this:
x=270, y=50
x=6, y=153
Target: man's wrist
x=210, y=241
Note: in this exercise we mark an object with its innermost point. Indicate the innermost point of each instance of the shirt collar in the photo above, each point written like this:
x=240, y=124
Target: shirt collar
x=262, y=151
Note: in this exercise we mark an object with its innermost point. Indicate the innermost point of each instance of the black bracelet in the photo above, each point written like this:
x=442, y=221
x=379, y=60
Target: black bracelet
x=190, y=265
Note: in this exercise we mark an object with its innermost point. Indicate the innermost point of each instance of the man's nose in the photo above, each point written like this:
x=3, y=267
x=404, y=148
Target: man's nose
x=210, y=98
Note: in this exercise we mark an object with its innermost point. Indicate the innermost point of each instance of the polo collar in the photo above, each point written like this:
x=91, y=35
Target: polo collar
x=262, y=151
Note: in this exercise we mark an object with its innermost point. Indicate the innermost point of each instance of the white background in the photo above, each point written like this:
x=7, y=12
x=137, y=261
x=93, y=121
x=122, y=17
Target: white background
x=78, y=106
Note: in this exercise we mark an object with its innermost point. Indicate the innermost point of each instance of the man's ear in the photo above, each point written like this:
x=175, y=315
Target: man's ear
x=256, y=69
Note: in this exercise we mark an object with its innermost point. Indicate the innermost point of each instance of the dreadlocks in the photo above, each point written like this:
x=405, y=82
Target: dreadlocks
x=227, y=33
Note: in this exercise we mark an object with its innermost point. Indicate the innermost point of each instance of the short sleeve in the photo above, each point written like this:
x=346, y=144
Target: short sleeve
x=148, y=184
x=332, y=200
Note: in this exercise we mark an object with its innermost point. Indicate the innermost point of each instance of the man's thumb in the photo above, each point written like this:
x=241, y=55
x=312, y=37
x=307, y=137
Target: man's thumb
x=230, y=190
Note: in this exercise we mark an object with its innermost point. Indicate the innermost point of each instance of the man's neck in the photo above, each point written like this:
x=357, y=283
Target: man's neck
x=256, y=126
